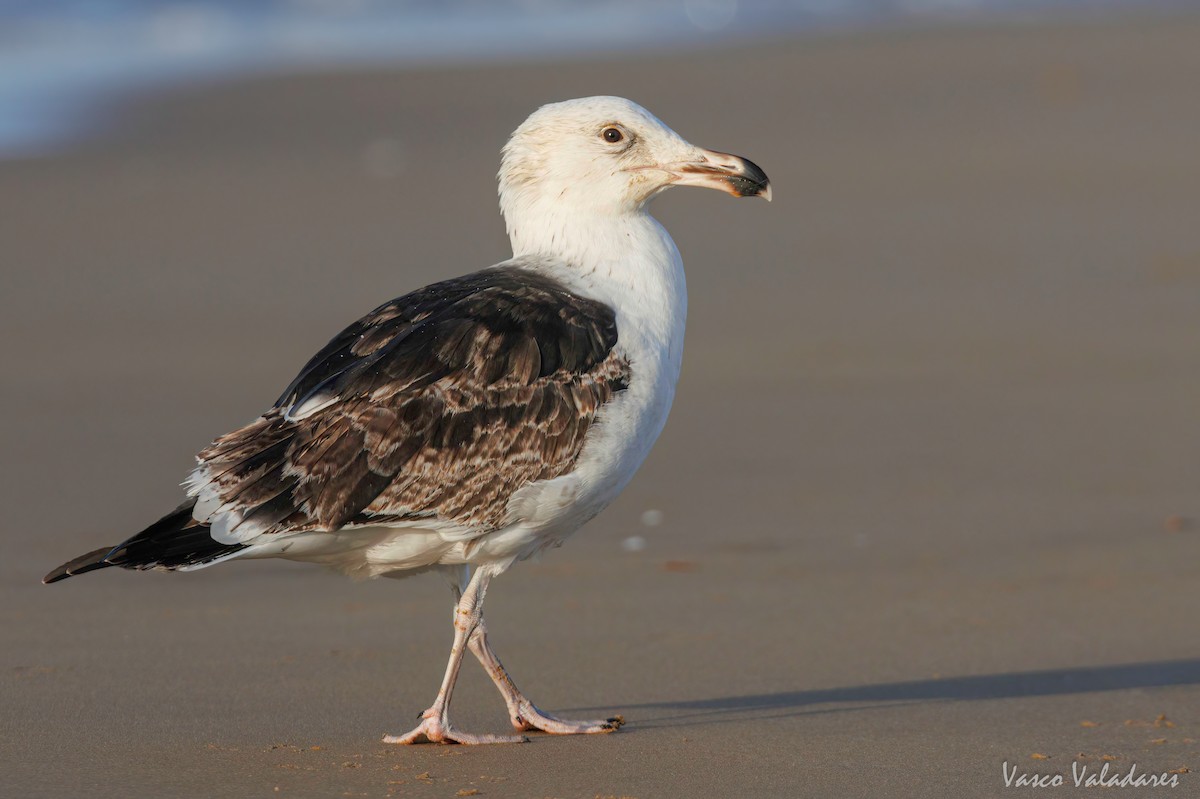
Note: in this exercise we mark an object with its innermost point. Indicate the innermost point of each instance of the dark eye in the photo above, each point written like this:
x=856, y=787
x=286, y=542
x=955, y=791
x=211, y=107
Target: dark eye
x=612, y=135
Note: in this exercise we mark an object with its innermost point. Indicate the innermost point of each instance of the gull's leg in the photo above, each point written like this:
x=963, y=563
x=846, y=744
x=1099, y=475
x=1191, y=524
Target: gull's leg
x=523, y=714
x=435, y=722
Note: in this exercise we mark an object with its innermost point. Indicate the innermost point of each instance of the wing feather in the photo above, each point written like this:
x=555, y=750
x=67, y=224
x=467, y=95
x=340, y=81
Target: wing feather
x=440, y=404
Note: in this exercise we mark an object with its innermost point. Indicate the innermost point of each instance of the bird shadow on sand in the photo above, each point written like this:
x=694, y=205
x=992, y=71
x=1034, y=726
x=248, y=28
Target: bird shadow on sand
x=1014, y=685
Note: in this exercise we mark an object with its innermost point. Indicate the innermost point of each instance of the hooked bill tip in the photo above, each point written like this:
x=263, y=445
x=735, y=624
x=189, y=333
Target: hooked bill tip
x=749, y=180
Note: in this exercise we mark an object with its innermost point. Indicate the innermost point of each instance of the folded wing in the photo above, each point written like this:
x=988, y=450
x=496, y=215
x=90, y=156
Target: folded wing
x=435, y=407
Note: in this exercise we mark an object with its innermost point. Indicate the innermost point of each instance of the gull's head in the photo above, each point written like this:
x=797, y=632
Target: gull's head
x=608, y=155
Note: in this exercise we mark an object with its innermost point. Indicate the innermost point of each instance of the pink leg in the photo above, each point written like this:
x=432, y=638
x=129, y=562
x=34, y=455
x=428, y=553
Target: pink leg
x=435, y=722
x=523, y=714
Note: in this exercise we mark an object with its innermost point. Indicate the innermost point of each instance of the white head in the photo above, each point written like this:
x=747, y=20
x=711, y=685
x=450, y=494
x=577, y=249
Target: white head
x=608, y=156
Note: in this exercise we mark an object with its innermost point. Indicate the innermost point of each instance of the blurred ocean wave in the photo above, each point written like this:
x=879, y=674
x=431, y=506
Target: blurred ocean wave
x=62, y=61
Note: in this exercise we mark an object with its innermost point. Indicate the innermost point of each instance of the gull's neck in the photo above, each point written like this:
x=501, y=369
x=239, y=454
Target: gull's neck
x=625, y=249
x=624, y=259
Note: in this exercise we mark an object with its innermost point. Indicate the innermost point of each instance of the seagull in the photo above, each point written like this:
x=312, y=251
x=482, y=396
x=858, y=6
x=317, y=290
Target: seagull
x=477, y=421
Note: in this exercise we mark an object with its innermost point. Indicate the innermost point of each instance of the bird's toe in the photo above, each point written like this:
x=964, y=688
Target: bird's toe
x=433, y=729
x=530, y=718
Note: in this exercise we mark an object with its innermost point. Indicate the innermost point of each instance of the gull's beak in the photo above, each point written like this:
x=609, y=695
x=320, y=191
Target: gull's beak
x=739, y=176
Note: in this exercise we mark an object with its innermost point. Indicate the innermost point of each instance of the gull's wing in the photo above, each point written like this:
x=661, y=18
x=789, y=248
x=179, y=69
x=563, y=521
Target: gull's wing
x=436, y=406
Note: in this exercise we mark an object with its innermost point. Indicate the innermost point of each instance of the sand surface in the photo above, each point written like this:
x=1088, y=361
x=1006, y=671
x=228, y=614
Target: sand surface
x=918, y=495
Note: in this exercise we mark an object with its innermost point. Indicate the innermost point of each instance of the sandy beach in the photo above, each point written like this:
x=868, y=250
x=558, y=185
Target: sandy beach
x=928, y=502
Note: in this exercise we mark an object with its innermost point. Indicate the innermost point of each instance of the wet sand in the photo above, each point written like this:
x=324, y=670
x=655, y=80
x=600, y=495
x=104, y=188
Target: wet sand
x=928, y=494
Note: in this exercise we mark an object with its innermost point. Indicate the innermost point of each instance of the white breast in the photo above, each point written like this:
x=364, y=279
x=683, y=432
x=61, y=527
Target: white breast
x=635, y=269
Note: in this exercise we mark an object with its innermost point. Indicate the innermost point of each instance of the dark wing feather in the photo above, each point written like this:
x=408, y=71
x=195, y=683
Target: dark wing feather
x=438, y=405
x=360, y=344
x=176, y=541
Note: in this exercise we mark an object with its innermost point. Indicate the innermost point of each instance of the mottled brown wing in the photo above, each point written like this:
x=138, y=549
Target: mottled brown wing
x=438, y=405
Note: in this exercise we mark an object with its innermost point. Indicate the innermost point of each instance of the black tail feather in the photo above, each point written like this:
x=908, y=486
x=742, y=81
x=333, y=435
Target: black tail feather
x=80, y=565
x=174, y=541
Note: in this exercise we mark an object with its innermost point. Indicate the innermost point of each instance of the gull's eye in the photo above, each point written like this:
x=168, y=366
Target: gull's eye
x=612, y=135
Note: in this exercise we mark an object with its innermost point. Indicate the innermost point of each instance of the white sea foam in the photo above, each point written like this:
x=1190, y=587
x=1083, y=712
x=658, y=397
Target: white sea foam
x=63, y=63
